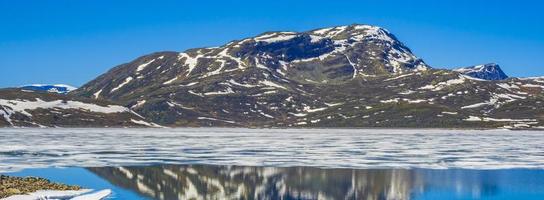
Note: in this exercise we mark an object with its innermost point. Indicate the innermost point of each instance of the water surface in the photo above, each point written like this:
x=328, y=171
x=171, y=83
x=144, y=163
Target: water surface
x=220, y=163
x=238, y=182
x=324, y=148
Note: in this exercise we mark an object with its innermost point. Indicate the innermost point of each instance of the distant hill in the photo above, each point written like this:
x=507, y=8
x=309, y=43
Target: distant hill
x=490, y=71
x=55, y=88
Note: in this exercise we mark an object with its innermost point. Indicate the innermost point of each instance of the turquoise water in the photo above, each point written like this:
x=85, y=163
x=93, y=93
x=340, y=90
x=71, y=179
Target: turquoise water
x=236, y=182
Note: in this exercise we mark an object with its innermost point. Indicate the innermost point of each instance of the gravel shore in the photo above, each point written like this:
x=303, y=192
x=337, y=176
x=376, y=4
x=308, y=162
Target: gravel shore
x=16, y=185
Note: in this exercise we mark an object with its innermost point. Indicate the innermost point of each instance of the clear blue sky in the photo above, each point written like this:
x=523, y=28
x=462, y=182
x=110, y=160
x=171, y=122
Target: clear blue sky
x=73, y=41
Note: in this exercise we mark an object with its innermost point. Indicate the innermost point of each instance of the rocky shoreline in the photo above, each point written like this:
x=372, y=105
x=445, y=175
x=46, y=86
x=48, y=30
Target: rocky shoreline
x=10, y=186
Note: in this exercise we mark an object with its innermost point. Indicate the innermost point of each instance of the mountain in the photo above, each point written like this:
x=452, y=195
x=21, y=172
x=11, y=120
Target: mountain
x=346, y=76
x=55, y=88
x=26, y=108
x=324, y=56
x=490, y=71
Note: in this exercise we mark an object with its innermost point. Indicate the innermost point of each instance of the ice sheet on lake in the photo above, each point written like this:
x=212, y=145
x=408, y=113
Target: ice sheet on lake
x=326, y=148
x=85, y=194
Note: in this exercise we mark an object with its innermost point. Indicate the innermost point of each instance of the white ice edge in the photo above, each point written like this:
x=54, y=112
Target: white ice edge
x=84, y=194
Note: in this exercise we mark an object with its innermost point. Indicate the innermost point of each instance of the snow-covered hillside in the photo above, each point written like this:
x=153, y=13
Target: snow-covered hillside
x=55, y=88
x=19, y=107
x=490, y=71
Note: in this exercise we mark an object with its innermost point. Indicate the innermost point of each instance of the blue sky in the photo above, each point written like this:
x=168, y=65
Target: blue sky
x=73, y=41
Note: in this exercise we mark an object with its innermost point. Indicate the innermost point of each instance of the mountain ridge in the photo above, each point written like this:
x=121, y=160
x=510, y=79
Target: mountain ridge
x=345, y=76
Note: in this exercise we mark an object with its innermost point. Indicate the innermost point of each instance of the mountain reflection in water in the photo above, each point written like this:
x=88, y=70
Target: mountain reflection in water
x=233, y=182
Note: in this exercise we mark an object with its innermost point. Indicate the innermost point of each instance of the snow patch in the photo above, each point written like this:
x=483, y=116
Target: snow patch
x=97, y=94
x=507, y=86
x=442, y=85
x=272, y=84
x=194, y=93
x=138, y=104
x=322, y=31
x=144, y=123
x=22, y=105
x=399, y=77
x=489, y=119
x=170, y=81
x=312, y=110
x=241, y=84
x=127, y=80
x=227, y=91
x=190, y=62
x=189, y=84
x=276, y=37
x=315, y=38
x=6, y=113
x=495, y=100
x=449, y=113
x=214, y=119
x=395, y=100
x=532, y=86
x=333, y=104
x=142, y=66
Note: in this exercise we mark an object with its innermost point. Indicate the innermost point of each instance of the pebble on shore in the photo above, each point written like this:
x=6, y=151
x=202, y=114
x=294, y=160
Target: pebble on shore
x=16, y=185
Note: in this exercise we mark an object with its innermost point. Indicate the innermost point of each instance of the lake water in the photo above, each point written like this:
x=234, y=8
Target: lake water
x=216, y=163
x=234, y=182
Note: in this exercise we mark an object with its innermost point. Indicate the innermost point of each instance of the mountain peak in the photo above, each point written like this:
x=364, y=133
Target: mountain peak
x=332, y=55
x=356, y=43
x=490, y=71
x=356, y=32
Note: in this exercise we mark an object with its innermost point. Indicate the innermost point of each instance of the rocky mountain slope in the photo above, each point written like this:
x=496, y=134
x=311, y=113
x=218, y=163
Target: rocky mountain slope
x=346, y=76
x=25, y=108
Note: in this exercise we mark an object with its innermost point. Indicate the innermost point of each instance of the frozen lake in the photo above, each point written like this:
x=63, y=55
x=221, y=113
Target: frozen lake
x=323, y=148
